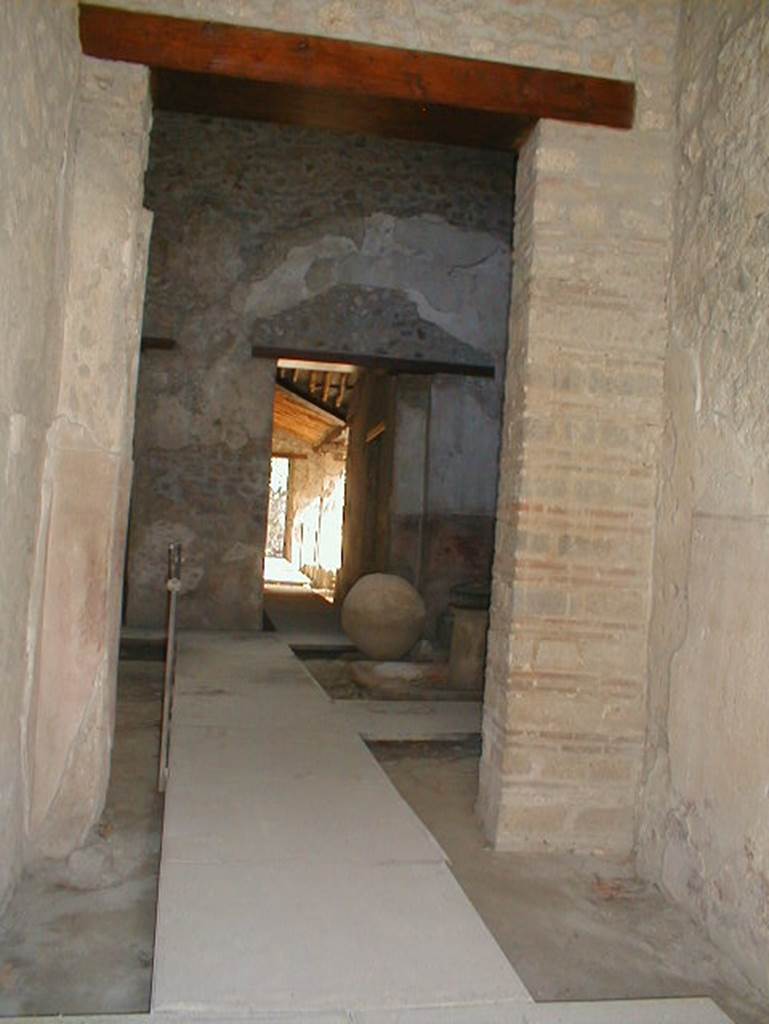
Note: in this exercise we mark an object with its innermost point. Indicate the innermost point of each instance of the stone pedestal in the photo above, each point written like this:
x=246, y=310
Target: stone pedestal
x=467, y=658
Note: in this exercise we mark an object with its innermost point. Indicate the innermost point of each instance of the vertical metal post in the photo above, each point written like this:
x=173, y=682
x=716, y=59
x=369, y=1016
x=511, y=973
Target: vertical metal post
x=173, y=585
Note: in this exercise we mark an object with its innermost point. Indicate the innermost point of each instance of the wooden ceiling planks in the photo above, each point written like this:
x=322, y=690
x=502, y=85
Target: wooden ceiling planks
x=302, y=419
x=235, y=70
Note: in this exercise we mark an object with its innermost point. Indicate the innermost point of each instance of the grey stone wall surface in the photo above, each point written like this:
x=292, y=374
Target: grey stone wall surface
x=39, y=63
x=705, y=824
x=279, y=235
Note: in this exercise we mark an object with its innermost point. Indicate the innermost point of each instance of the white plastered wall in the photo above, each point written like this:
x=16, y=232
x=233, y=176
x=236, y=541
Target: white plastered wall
x=39, y=67
x=705, y=824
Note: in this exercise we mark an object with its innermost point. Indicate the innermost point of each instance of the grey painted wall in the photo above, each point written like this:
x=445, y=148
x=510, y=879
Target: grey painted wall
x=277, y=233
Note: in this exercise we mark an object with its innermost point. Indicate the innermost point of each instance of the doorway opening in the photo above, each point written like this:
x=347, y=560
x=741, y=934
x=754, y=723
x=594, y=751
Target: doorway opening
x=305, y=519
x=308, y=468
x=277, y=510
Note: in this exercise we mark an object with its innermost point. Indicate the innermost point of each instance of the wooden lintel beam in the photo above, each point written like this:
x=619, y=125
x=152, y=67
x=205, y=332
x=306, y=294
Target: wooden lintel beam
x=392, y=364
x=188, y=92
x=314, y=62
x=314, y=364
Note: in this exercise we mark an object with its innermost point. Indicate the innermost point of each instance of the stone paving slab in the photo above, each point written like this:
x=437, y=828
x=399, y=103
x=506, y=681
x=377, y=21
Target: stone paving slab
x=227, y=656
x=310, y=935
x=276, y=750
x=640, y=1011
x=645, y=1011
x=241, y=711
x=319, y=798
x=296, y=884
x=293, y=875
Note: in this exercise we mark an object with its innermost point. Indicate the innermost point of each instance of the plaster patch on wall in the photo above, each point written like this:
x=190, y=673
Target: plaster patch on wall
x=288, y=284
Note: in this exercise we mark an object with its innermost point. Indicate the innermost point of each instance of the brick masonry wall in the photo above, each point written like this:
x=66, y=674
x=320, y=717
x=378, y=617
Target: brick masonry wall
x=565, y=708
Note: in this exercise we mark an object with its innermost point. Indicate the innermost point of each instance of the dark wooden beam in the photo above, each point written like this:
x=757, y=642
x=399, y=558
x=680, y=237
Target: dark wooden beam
x=313, y=62
x=393, y=364
x=217, y=96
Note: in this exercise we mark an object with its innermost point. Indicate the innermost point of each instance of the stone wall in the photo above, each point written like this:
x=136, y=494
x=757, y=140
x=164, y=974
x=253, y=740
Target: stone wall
x=705, y=829
x=39, y=62
x=71, y=280
x=266, y=233
x=87, y=474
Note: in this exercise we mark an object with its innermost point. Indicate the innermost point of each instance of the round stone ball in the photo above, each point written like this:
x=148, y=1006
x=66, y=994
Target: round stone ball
x=383, y=615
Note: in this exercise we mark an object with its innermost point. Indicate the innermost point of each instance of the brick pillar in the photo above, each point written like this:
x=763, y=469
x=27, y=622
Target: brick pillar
x=564, y=718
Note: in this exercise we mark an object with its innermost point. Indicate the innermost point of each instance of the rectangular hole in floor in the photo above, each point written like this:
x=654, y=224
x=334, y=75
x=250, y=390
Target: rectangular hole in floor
x=575, y=927
x=348, y=676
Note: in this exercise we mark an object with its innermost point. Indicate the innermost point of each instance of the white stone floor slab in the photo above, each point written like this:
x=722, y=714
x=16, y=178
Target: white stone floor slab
x=293, y=875
x=297, y=886
x=638, y=1011
x=646, y=1011
x=313, y=935
x=321, y=800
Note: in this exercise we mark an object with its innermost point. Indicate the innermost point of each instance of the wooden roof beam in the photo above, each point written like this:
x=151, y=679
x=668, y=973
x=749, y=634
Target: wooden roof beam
x=391, y=364
x=360, y=69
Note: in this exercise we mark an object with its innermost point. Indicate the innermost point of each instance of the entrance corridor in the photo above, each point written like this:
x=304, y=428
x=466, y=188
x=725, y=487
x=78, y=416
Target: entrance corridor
x=296, y=883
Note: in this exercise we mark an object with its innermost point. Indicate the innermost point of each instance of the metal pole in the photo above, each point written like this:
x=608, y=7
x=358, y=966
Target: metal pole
x=173, y=585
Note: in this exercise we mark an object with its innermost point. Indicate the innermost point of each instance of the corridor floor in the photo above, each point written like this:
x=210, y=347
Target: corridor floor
x=298, y=886
x=295, y=879
x=293, y=875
